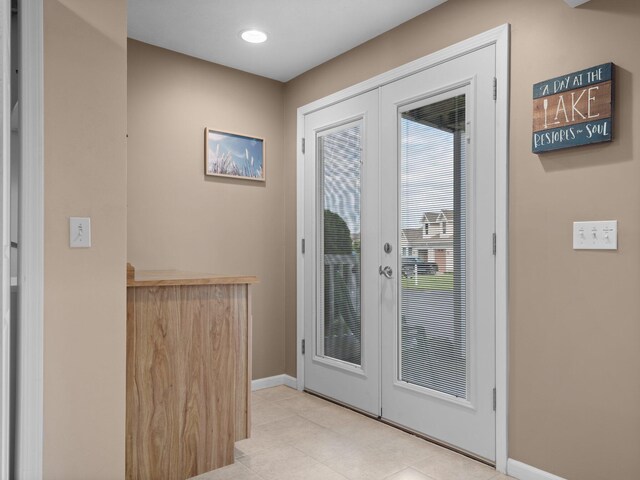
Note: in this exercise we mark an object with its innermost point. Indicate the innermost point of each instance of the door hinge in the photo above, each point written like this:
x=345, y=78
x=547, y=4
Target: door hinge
x=494, y=244
x=303, y=246
x=495, y=88
x=303, y=146
x=303, y=348
x=494, y=399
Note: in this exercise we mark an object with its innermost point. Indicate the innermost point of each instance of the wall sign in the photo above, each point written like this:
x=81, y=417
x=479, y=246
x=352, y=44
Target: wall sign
x=573, y=110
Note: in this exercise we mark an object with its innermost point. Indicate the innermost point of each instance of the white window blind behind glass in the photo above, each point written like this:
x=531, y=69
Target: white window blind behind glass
x=433, y=327
x=339, y=330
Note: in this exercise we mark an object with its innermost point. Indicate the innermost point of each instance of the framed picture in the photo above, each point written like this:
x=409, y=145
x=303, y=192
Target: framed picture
x=233, y=155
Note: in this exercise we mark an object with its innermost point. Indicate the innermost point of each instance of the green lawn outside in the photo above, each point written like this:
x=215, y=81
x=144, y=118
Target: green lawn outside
x=429, y=282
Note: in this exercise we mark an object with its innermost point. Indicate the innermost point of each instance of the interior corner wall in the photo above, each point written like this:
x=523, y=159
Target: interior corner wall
x=178, y=218
x=85, y=116
x=574, y=329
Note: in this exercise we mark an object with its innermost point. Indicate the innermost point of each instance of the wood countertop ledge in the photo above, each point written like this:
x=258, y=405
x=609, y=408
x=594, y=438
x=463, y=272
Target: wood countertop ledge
x=163, y=278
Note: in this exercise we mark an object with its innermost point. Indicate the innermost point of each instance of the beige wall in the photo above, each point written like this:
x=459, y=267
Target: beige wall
x=574, y=329
x=177, y=217
x=574, y=316
x=85, y=175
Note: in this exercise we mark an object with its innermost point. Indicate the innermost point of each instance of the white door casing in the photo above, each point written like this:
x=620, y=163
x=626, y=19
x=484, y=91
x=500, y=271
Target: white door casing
x=500, y=38
x=460, y=413
x=5, y=188
x=29, y=395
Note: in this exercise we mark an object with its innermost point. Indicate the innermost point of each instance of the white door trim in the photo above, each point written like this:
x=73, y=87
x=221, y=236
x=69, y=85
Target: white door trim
x=5, y=282
x=29, y=419
x=502, y=246
x=500, y=37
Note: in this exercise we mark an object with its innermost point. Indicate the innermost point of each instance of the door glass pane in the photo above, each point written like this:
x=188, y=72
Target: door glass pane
x=339, y=328
x=433, y=326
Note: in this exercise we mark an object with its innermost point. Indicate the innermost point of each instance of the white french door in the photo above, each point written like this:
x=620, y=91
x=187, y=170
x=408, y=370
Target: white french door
x=399, y=222
x=438, y=207
x=342, y=308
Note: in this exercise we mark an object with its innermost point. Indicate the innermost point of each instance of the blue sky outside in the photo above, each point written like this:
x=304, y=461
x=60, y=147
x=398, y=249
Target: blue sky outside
x=426, y=171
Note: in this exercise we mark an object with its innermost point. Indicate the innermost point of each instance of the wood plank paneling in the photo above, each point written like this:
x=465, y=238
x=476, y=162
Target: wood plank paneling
x=207, y=369
x=132, y=398
x=221, y=337
x=152, y=392
x=188, y=377
x=243, y=371
x=249, y=359
x=193, y=313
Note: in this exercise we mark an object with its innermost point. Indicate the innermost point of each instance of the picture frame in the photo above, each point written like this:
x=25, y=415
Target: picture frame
x=234, y=155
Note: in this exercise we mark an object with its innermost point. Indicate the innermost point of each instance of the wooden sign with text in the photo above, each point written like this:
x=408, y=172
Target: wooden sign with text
x=573, y=110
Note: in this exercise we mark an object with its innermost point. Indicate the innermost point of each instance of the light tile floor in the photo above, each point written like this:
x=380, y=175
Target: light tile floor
x=296, y=436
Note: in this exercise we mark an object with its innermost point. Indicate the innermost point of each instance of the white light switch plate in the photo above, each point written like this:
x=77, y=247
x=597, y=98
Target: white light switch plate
x=601, y=235
x=79, y=232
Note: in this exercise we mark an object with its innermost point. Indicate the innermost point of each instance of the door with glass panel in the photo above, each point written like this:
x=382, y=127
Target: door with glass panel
x=341, y=239
x=437, y=208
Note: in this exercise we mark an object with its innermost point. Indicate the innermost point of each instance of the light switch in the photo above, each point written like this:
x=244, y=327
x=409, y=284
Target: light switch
x=601, y=235
x=79, y=232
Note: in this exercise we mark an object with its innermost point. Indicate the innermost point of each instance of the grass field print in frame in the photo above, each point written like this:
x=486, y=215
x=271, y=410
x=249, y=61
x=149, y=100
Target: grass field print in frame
x=233, y=155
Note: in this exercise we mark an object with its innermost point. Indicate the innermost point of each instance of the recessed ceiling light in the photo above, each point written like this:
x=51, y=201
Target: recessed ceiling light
x=254, y=36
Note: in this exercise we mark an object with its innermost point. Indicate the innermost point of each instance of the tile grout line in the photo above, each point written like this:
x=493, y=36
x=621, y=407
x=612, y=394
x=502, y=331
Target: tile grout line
x=298, y=413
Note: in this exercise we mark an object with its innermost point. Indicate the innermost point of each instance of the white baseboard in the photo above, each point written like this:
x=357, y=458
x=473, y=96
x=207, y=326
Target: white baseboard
x=274, y=381
x=522, y=471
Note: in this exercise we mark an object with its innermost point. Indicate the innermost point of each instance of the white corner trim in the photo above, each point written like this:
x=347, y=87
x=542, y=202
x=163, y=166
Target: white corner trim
x=290, y=381
x=522, y=471
x=300, y=174
x=575, y=3
x=30, y=417
x=274, y=381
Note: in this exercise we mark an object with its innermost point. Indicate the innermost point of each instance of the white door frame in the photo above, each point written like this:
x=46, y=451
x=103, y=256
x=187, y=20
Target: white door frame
x=29, y=385
x=29, y=418
x=5, y=188
x=500, y=38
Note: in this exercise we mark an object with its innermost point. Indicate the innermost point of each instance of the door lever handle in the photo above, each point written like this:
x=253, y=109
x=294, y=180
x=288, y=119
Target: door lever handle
x=386, y=271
